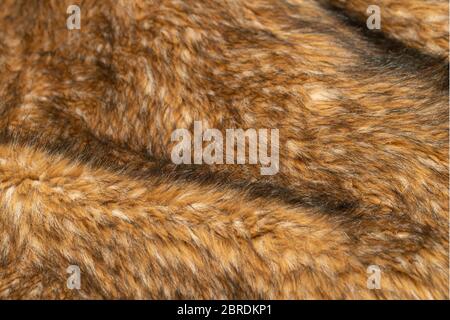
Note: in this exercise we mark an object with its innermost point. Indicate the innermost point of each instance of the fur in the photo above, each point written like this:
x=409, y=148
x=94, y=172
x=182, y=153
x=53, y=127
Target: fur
x=86, y=178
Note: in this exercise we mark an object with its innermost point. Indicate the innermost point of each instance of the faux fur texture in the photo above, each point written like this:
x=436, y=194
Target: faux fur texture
x=86, y=178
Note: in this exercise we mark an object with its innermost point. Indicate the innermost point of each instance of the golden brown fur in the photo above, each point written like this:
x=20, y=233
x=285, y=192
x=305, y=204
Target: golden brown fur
x=85, y=171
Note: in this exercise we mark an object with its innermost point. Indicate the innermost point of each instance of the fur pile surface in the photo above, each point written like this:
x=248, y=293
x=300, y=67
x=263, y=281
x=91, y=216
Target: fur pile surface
x=86, y=177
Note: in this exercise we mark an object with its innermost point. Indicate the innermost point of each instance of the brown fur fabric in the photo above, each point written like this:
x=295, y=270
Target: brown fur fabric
x=86, y=177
